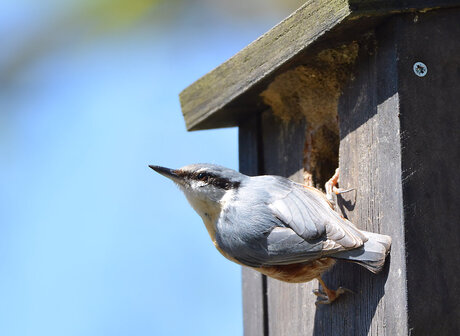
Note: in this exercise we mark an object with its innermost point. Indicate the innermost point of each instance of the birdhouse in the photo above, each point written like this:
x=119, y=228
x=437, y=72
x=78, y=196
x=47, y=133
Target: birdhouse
x=372, y=87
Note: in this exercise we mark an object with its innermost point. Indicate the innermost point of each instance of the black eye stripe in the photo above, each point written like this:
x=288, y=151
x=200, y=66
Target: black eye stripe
x=224, y=183
x=211, y=179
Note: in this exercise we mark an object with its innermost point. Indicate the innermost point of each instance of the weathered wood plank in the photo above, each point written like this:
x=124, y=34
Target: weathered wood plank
x=430, y=129
x=253, y=282
x=254, y=319
x=216, y=100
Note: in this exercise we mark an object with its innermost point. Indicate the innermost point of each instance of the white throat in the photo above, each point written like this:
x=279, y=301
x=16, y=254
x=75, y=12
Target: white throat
x=208, y=210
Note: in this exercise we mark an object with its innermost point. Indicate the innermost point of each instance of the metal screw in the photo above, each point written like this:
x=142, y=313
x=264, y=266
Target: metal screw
x=420, y=69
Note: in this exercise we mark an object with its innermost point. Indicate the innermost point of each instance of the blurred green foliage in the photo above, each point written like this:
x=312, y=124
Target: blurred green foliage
x=86, y=21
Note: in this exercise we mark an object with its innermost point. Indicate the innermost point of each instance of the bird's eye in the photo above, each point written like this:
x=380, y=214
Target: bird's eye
x=201, y=176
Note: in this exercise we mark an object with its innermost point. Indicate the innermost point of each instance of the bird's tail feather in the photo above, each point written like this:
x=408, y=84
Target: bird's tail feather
x=371, y=255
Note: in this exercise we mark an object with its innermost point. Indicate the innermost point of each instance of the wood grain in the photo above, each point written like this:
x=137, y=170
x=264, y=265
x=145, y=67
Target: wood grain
x=430, y=129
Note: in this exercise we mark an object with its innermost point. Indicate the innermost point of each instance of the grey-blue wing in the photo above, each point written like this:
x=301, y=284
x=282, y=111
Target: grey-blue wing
x=309, y=215
x=284, y=246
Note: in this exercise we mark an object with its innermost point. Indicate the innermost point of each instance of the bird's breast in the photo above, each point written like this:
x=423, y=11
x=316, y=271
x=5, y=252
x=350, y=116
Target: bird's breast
x=297, y=273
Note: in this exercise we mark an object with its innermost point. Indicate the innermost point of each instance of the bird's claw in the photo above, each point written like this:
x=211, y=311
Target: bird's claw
x=342, y=191
x=331, y=187
x=322, y=297
x=330, y=295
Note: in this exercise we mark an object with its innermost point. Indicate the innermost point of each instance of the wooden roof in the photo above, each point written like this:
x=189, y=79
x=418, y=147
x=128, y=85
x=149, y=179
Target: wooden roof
x=230, y=92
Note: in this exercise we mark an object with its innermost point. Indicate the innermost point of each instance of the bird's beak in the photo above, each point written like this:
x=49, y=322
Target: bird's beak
x=169, y=173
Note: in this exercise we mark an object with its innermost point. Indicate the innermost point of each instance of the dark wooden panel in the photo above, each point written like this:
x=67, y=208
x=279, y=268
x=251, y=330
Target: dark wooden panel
x=212, y=101
x=249, y=138
x=254, y=296
x=430, y=125
x=254, y=319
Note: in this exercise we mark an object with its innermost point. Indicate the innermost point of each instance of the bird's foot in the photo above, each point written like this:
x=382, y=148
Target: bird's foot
x=331, y=187
x=329, y=295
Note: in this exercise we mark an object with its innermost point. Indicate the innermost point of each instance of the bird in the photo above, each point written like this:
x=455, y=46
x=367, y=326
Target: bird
x=280, y=228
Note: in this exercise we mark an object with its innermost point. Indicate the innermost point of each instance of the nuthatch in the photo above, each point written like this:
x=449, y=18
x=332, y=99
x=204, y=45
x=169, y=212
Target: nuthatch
x=278, y=227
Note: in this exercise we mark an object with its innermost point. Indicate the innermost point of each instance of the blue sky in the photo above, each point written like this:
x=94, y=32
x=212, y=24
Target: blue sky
x=93, y=242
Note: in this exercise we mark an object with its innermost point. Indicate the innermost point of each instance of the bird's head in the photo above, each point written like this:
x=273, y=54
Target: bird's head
x=204, y=185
